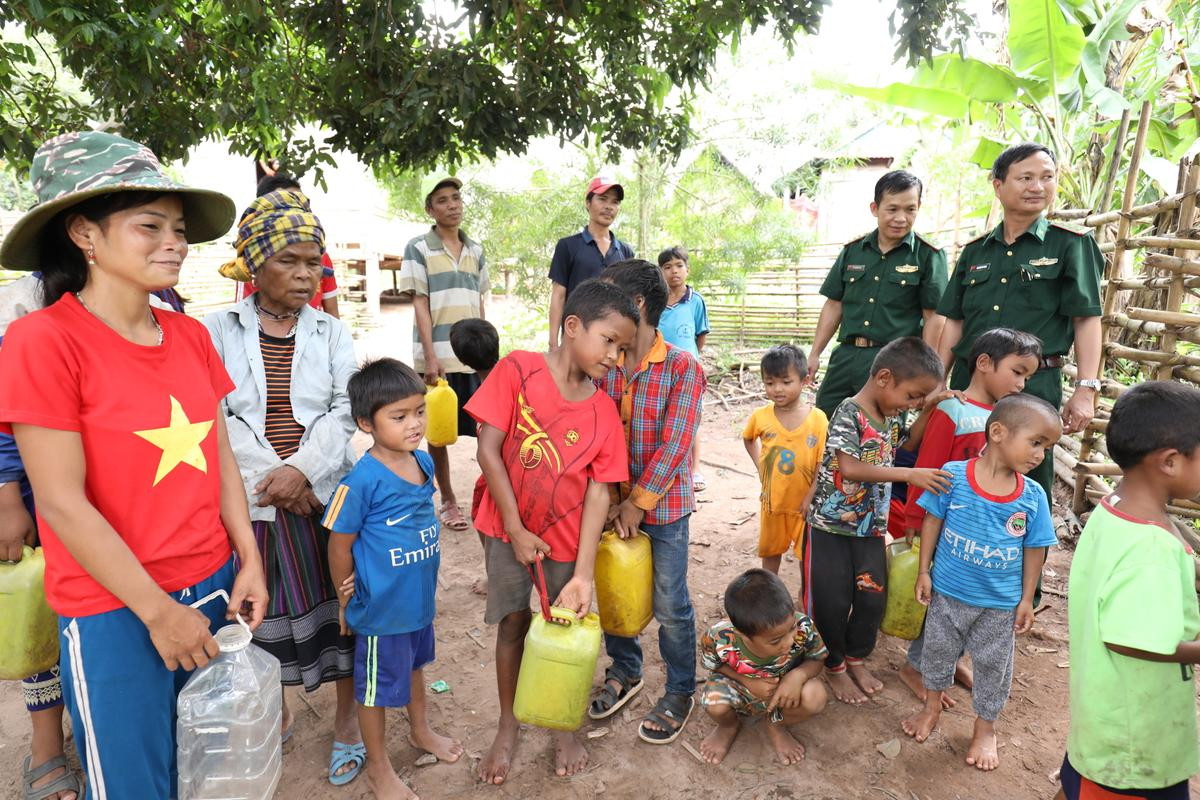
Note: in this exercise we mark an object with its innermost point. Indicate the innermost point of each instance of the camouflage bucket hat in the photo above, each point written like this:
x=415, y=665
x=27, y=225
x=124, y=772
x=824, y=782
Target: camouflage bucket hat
x=73, y=167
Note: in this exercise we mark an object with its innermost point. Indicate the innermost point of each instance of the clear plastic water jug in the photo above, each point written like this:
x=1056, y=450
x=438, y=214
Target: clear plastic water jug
x=903, y=616
x=441, y=413
x=28, y=626
x=624, y=583
x=557, y=667
x=230, y=713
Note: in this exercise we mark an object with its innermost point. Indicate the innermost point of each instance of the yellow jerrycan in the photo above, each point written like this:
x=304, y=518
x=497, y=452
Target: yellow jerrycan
x=28, y=627
x=557, y=667
x=903, y=616
x=441, y=413
x=624, y=583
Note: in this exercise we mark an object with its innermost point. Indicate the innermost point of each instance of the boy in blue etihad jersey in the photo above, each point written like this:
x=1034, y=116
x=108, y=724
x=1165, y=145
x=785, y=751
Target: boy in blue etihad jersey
x=986, y=539
x=385, y=534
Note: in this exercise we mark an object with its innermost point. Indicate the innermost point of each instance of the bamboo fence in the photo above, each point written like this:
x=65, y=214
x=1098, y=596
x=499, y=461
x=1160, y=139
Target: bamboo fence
x=1150, y=296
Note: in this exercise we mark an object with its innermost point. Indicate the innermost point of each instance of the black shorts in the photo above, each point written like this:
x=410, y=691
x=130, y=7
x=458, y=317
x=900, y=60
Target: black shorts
x=464, y=385
x=1077, y=787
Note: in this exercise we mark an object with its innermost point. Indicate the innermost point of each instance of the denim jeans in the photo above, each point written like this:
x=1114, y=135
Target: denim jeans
x=672, y=608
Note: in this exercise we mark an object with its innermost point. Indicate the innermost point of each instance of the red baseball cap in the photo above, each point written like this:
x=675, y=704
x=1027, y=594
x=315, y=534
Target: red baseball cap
x=602, y=183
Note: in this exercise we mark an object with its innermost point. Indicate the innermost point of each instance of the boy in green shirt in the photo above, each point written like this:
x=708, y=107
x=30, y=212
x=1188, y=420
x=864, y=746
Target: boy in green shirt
x=1133, y=613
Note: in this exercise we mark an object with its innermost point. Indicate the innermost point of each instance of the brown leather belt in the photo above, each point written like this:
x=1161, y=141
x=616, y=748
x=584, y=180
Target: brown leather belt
x=1052, y=362
x=862, y=341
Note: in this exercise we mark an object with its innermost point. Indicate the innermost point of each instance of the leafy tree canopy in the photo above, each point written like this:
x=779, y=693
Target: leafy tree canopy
x=397, y=83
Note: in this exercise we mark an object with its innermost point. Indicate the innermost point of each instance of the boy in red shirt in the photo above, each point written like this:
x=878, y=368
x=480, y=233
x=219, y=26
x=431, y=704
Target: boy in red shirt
x=550, y=443
x=1001, y=360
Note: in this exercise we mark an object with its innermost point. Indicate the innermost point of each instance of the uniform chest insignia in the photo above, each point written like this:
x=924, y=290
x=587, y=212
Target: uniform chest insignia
x=855, y=267
x=768, y=435
x=811, y=441
x=1043, y=262
x=906, y=268
x=571, y=437
x=978, y=267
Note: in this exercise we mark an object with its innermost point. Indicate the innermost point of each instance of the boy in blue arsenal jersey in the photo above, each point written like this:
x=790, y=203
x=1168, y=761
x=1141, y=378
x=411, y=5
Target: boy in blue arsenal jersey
x=987, y=540
x=385, y=534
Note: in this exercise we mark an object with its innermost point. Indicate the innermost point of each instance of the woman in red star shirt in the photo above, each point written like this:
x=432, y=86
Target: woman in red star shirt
x=114, y=406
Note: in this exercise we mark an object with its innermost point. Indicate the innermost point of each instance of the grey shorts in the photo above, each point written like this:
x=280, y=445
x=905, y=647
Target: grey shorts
x=510, y=584
x=953, y=628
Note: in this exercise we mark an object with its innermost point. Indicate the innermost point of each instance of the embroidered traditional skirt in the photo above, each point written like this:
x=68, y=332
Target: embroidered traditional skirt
x=301, y=626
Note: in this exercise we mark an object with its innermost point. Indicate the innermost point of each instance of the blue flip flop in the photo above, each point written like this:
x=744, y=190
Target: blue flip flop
x=342, y=755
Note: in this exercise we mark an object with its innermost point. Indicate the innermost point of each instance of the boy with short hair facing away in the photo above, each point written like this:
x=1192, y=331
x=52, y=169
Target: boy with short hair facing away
x=684, y=324
x=385, y=533
x=785, y=440
x=845, y=569
x=765, y=659
x=476, y=343
x=549, y=444
x=986, y=540
x=1001, y=361
x=658, y=390
x=1132, y=610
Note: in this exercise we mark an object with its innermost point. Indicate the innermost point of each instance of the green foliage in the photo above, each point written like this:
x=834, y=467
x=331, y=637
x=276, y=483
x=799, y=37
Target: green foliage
x=1075, y=68
x=728, y=227
x=1042, y=43
x=520, y=228
x=398, y=84
x=15, y=194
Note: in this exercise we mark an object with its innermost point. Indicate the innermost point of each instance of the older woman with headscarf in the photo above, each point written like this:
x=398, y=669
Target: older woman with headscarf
x=114, y=407
x=290, y=425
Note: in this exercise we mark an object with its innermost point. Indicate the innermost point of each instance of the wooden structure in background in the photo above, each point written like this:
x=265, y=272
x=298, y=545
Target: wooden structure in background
x=1151, y=294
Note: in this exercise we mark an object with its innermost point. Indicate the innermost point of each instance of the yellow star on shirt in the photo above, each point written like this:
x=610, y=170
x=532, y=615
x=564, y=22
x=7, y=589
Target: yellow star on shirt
x=179, y=442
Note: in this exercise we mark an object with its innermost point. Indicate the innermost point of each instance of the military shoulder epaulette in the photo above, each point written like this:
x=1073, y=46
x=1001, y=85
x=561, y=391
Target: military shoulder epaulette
x=980, y=237
x=1063, y=226
x=857, y=239
x=927, y=242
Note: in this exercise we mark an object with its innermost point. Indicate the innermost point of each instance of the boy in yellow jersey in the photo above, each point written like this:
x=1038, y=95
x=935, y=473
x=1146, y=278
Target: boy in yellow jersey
x=786, y=439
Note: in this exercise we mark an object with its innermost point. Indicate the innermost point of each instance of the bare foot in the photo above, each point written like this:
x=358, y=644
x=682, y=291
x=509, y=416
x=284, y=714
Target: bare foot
x=963, y=673
x=446, y=749
x=494, y=767
x=912, y=679
x=569, y=755
x=845, y=689
x=865, y=680
x=717, y=744
x=385, y=783
x=921, y=724
x=479, y=587
x=288, y=720
x=983, y=753
x=787, y=748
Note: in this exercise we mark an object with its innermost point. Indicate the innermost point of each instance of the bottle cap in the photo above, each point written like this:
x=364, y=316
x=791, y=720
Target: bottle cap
x=232, y=638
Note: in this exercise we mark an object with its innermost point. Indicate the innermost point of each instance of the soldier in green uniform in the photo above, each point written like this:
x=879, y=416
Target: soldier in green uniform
x=883, y=286
x=1033, y=275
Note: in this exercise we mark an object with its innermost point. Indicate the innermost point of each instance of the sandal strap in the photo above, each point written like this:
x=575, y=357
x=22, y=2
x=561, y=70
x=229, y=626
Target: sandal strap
x=67, y=782
x=609, y=694
x=669, y=712
x=43, y=769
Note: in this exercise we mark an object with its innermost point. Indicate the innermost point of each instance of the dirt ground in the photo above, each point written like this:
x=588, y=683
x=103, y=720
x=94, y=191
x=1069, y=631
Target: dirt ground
x=843, y=756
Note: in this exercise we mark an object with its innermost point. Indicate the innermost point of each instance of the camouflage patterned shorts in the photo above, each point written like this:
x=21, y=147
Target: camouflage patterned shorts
x=721, y=690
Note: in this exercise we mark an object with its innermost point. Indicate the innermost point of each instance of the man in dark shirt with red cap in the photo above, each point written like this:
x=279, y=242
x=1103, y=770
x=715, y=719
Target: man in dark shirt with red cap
x=587, y=253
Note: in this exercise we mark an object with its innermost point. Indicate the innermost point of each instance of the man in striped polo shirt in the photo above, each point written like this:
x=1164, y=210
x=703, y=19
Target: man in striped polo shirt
x=446, y=274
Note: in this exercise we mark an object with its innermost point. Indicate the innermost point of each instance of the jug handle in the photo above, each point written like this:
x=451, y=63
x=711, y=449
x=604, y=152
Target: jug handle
x=539, y=581
x=242, y=622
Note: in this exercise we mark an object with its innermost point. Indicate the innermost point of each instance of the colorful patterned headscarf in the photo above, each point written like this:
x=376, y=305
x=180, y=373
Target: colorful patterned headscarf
x=270, y=224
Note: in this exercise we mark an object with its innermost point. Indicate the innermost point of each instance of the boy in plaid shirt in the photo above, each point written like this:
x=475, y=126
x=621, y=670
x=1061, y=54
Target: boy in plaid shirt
x=657, y=389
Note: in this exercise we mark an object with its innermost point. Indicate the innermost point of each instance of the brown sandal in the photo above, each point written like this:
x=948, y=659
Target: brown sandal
x=451, y=516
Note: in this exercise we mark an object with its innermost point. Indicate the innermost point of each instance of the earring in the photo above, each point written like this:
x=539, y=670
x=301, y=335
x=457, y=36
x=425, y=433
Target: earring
x=91, y=256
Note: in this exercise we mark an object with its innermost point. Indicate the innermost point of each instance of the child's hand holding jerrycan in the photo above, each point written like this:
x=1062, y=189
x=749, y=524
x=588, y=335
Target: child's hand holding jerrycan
x=903, y=616
x=557, y=666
